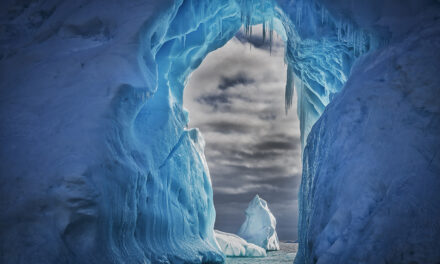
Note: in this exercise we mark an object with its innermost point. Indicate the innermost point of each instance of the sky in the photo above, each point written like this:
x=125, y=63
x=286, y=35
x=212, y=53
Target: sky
x=236, y=99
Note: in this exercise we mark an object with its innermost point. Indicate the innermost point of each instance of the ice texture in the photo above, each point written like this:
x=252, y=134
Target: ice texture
x=235, y=246
x=370, y=184
x=97, y=164
x=260, y=225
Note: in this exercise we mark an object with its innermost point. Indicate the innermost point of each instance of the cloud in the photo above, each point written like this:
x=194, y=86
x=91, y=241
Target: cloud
x=227, y=127
x=236, y=98
x=278, y=144
x=240, y=78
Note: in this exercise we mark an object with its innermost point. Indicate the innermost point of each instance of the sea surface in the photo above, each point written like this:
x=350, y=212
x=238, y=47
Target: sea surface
x=286, y=254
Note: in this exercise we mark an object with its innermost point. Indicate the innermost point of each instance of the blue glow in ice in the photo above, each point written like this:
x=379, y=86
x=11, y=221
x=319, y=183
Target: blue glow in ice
x=99, y=166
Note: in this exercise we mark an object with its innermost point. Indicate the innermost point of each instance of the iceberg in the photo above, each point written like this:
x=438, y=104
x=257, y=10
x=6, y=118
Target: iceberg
x=235, y=246
x=97, y=164
x=259, y=227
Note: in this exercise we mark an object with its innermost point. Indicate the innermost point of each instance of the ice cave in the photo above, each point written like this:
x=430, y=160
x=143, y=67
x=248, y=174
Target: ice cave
x=98, y=165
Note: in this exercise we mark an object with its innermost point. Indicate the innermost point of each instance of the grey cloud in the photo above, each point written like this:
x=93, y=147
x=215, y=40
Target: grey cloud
x=267, y=116
x=224, y=102
x=218, y=102
x=256, y=171
x=227, y=127
x=277, y=145
x=251, y=153
x=239, y=78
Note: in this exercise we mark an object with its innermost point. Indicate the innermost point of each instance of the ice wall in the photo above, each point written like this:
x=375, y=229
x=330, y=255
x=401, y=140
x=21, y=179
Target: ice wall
x=94, y=168
x=370, y=183
x=97, y=165
x=370, y=167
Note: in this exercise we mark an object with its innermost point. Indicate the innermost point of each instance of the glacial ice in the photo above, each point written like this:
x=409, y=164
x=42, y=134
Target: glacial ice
x=235, y=246
x=259, y=227
x=97, y=165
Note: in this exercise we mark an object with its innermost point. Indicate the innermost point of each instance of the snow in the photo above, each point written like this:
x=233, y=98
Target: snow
x=260, y=225
x=286, y=254
x=98, y=166
x=235, y=246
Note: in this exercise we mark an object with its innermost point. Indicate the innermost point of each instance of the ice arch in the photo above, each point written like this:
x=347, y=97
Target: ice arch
x=319, y=52
x=97, y=166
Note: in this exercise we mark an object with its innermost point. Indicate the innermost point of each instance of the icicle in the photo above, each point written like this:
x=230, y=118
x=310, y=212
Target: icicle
x=338, y=24
x=250, y=30
x=221, y=27
x=270, y=35
x=264, y=31
x=354, y=43
x=299, y=13
x=290, y=86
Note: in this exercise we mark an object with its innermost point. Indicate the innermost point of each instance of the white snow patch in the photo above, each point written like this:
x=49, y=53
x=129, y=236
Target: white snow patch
x=235, y=246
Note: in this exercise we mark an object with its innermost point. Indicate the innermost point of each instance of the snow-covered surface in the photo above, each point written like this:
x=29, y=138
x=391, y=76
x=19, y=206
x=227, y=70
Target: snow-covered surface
x=97, y=165
x=235, y=246
x=285, y=255
x=260, y=225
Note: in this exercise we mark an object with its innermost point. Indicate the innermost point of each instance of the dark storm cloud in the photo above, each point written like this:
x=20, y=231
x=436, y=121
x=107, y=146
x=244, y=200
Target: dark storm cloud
x=264, y=188
x=263, y=149
x=214, y=99
x=240, y=78
x=268, y=115
x=222, y=102
x=277, y=145
x=218, y=102
x=256, y=172
x=228, y=127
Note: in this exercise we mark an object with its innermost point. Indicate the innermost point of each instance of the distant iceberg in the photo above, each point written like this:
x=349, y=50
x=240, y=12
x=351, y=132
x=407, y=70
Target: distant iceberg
x=235, y=246
x=259, y=227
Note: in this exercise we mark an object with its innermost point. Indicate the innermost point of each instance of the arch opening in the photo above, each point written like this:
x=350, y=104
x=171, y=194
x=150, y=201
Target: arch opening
x=319, y=53
x=236, y=99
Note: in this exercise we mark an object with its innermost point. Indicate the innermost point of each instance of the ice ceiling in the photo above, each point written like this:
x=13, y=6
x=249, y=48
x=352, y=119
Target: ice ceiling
x=319, y=49
x=97, y=165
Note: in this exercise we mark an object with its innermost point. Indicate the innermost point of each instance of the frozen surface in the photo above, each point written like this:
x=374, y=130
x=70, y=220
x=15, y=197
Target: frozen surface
x=98, y=166
x=235, y=246
x=94, y=169
x=285, y=255
x=260, y=225
x=370, y=187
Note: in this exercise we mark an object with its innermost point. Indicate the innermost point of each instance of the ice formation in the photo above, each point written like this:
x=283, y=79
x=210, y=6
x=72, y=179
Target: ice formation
x=235, y=246
x=97, y=165
x=259, y=227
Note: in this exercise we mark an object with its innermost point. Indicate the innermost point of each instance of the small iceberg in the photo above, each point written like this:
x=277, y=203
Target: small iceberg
x=259, y=227
x=235, y=246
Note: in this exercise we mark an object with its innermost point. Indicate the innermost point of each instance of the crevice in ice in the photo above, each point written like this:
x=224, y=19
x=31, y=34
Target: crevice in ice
x=173, y=150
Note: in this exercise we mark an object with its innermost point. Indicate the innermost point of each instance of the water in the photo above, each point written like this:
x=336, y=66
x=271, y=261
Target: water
x=286, y=254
